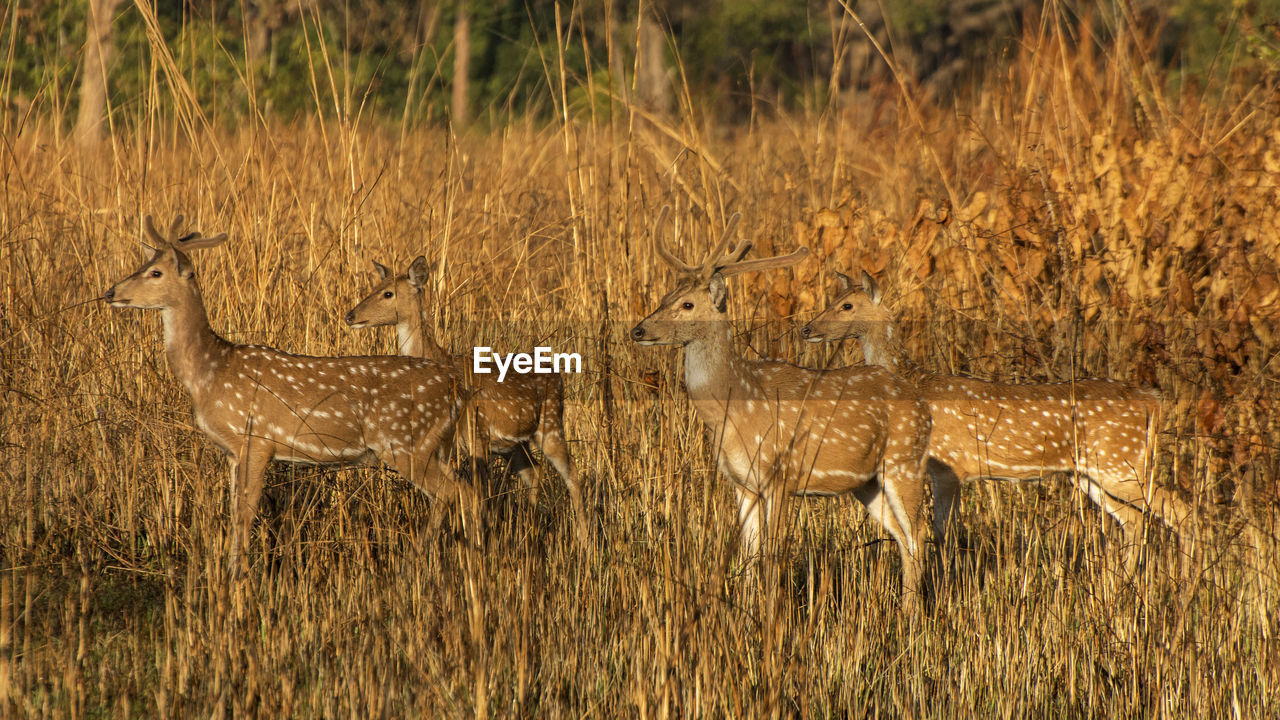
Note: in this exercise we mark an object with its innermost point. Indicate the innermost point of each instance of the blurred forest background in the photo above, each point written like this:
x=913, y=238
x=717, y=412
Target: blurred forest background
x=483, y=63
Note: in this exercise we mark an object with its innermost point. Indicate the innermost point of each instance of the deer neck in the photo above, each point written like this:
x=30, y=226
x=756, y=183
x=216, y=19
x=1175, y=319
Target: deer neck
x=715, y=374
x=880, y=346
x=195, y=351
x=412, y=334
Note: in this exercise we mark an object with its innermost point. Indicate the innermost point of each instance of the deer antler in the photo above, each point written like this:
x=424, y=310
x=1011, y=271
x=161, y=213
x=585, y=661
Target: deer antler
x=149, y=225
x=723, y=256
x=742, y=266
x=718, y=258
x=681, y=267
x=191, y=241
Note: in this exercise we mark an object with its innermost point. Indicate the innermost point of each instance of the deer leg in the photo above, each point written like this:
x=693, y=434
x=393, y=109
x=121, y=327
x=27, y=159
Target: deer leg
x=904, y=488
x=441, y=474
x=751, y=516
x=430, y=469
x=1130, y=519
x=946, y=484
x=1167, y=506
x=470, y=441
x=247, y=472
x=905, y=493
x=872, y=497
x=427, y=466
x=1176, y=514
x=520, y=463
x=1128, y=496
x=1137, y=497
x=551, y=442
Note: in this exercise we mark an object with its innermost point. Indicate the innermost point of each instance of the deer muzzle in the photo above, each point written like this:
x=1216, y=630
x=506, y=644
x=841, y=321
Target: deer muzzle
x=114, y=300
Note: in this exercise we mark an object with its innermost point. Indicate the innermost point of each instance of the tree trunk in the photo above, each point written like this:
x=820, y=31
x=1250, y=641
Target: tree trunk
x=461, y=60
x=93, y=71
x=263, y=18
x=653, y=85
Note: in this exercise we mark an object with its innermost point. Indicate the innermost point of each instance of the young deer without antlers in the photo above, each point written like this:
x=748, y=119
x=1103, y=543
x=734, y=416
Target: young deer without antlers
x=1102, y=432
x=783, y=430
x=259, y=404
x=509, y=414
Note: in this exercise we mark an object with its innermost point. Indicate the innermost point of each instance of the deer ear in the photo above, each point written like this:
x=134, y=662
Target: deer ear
x=419, y=272
x=182, y=264
x=383, y=272
x=869, y=286
x=845, y=282
x=719, y=293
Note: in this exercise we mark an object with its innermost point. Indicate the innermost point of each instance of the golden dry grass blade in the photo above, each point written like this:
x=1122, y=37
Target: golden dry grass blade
x=113, y=508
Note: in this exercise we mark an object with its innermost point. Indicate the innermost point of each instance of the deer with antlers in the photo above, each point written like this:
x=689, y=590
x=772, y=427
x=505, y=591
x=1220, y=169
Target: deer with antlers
x=509, y=414
x=1101, y=432
x=782, y=430
x=259, y=404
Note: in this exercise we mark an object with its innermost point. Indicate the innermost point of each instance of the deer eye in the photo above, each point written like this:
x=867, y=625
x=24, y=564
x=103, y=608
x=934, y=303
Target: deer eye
x=156, y=273
x=848, y=306
x=388, y=294
x=687, y=305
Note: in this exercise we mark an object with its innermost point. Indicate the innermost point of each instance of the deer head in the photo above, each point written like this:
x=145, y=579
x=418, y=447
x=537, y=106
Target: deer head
x=168, y=275
x=394, y=298
x=856, y=312
x=699, y=299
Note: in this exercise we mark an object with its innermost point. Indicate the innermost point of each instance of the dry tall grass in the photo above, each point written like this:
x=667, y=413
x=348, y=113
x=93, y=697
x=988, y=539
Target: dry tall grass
x=1069, y=220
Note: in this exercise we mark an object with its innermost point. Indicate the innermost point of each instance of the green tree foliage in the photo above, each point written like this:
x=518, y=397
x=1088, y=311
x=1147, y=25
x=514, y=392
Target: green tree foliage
x=393, y=58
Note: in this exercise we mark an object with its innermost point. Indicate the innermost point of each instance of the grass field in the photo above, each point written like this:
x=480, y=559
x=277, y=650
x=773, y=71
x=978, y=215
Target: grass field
x=1072, y=219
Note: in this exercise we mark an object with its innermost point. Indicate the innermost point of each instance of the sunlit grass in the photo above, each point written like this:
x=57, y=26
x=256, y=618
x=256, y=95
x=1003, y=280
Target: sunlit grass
x=1086, y=237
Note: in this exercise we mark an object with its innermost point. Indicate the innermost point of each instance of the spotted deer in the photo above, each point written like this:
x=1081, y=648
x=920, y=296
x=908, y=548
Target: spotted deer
x=781, y=430
x=510, y=414
x=1101, y=432
x=259, y=404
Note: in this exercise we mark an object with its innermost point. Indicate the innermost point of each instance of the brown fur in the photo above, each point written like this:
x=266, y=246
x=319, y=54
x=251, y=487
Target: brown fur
x=1100, y=431
x=782, y=430
x=260, y=404
x=522, y=409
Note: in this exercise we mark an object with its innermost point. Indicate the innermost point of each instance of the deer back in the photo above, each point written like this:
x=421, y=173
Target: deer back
x=324, y=409
x=1016, y=431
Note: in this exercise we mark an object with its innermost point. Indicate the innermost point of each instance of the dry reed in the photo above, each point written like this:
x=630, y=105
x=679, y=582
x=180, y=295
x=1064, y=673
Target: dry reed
x=1098, y=230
